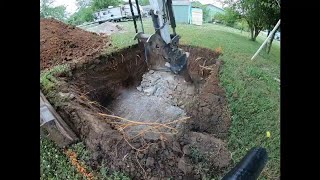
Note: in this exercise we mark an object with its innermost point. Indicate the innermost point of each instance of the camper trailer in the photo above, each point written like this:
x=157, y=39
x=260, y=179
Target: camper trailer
x=116, y=14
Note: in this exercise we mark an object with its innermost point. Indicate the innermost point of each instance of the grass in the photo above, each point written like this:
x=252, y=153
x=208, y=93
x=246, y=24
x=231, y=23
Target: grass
x=47, y=77
x=253, y=94
x=195, y=154
x=55, y=164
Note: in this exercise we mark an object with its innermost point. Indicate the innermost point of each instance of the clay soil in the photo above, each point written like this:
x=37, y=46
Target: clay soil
x=61, y=43
x=198, y=150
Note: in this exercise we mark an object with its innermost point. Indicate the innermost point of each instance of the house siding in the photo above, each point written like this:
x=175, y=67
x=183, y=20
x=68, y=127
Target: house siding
x=182, y=11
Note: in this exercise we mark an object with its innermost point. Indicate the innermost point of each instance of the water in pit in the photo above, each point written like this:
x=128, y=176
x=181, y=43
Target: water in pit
x=160, y=97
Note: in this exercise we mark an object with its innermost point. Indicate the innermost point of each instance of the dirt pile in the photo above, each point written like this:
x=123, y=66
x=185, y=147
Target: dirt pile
x=61, y=43
x=122, y=80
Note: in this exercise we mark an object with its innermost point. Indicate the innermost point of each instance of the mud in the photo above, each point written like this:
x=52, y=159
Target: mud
x=61, y=43
x=105, y=85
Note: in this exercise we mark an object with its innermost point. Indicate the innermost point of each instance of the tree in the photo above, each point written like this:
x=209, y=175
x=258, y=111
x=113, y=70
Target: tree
x=83, y=3
x=272, y=15
x=84, y=14
x=252, y=12
x=255, y=12
x=229, y=17
x=206, y=14
x=101, y=4
x=205, y=11
x=143, y=2
x=47, y=11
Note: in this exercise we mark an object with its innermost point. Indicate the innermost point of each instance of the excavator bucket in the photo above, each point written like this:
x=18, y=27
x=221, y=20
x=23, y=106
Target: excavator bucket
x=162, y=56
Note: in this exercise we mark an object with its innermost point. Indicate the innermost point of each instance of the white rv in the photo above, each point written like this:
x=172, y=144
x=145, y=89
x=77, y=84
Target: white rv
x=116, y=14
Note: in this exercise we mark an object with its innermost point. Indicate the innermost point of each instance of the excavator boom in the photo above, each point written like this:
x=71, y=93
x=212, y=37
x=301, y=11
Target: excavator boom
x=161, y=48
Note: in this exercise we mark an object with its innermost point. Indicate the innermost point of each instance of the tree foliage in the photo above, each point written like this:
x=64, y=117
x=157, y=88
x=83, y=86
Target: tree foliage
x=272, y=15
x=101, y=4
x=48, y=11
x=84, y=14
x=259, y=14
x=143, y=2
x=229, y=18
x=205, y=11
x=83, y=3
x=252, y=11
x=86, y=9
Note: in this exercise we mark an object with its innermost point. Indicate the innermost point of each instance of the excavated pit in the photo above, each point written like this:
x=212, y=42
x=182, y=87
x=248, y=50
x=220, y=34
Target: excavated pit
x=121, y=85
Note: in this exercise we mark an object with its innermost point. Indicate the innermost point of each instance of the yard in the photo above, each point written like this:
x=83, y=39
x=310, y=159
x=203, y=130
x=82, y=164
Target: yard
x=253, y=96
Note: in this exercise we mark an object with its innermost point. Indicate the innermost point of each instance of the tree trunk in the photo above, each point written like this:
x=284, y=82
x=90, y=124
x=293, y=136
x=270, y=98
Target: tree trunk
x=269, y=44
x=252, y=29
x=252, y=35
x=266, y=46
x=269, y=30
x=256, y=33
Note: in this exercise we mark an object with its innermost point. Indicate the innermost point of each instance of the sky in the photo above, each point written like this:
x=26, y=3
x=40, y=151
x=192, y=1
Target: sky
x=71, y=6
x=214, y=2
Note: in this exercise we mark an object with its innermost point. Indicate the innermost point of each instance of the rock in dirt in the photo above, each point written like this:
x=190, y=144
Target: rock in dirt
x=61, y=43
x=149, y=162
x=213, y=150
x=184, y=165
x=176, y=147
x=170, y=87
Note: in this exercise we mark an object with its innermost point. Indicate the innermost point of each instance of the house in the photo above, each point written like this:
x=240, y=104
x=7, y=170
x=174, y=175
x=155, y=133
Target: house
x=213, y=10
x=196, y=16
x=182, y=11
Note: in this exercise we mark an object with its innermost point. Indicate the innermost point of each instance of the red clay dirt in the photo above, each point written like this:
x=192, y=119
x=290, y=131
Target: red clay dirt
x=191, y=154
x=61, y=43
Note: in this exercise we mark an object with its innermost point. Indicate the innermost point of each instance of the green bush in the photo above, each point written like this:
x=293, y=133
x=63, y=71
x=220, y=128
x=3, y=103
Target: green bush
x=82, y=16
x=241, y=25
x=229, y=18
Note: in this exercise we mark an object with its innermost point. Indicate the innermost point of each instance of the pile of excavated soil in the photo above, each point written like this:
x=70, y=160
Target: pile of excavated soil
x=122, y=85
x=61, y=43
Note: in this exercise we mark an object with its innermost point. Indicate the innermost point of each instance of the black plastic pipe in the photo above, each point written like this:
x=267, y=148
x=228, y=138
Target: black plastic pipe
x=250, y=167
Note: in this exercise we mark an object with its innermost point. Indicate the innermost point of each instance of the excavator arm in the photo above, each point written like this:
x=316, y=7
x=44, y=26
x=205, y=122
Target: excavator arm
x=161, y=47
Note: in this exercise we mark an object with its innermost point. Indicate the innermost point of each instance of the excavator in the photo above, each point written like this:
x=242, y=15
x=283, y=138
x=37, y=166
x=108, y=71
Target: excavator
x=161, y=49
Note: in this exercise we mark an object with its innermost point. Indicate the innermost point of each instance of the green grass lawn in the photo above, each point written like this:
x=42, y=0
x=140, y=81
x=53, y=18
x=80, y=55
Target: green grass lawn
x=252, y=92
